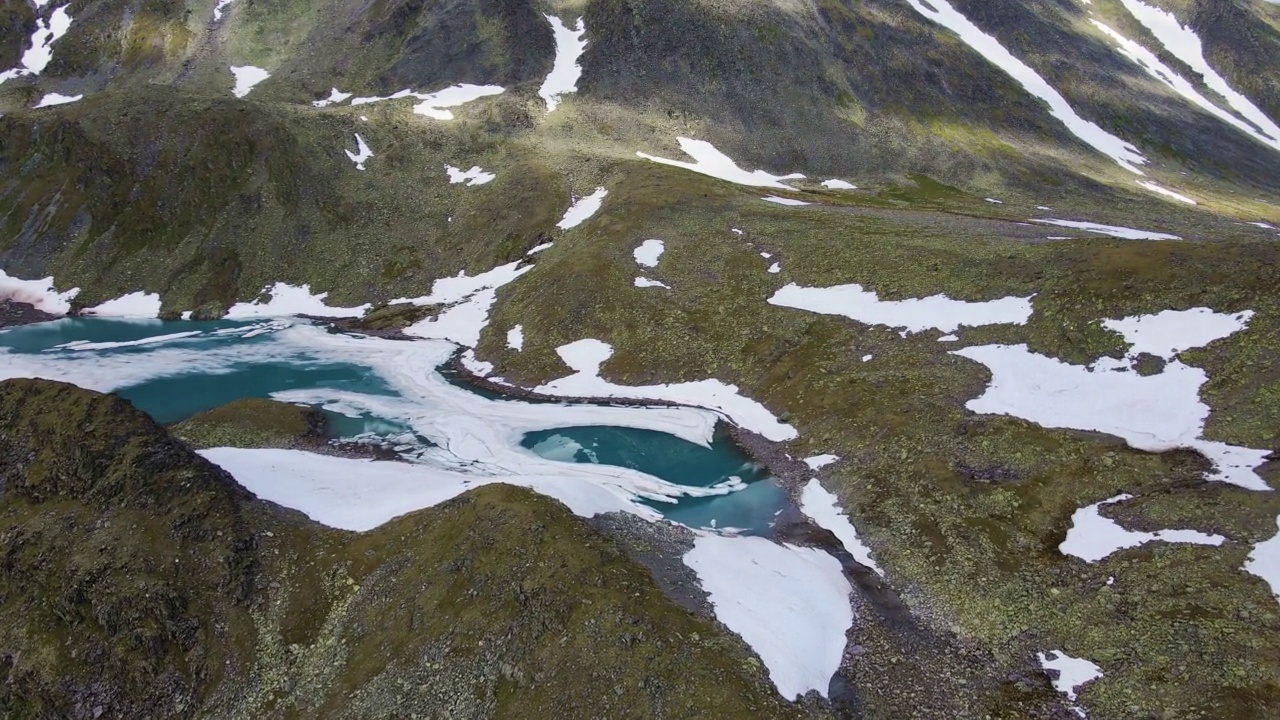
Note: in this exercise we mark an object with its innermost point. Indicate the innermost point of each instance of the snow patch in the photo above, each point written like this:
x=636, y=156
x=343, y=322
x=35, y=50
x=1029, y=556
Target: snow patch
x=474, y=176
x=823, y=507
x=915, y=314
x=515, y=338
x=1093, y=537
x=1112, y=230
x=643, y=282
x=1070, y=674
x=565, y=71
x=361, y=154
x=1264, y=561
x=38, y=56
x=287, y=300
x=775, y=268
x=784, y=201
x=53, y=99
x=582, y=209
x=1155, y=413
x=40, y=294
x=335, y=95
x=707, y=160
x=838, y=185
x=246, y=77
x=219, y=8
x=134, y=305
x=1166, y=192
x=817, y=462
x=790, y=604
x=648, y=252
x=433, y=105
x=470, y=300
x=1122, y=152
x=586, y=356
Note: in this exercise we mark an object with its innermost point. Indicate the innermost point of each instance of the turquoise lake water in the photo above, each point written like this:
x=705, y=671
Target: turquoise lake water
x=175, y=377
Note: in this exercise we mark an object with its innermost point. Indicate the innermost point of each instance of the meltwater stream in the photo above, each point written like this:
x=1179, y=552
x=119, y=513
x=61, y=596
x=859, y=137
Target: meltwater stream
x=651, y=460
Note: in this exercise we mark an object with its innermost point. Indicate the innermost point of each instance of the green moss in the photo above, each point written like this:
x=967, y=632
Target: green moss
x=251, y=423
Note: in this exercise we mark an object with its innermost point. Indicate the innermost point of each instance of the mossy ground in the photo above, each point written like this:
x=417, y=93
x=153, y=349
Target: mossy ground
x=140, y=581
x=250, y=423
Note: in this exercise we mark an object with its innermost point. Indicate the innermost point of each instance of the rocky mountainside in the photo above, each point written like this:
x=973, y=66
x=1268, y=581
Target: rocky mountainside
x=1024, y=284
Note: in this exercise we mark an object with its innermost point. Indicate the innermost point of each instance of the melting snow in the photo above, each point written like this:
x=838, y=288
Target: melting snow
x=362, y=153
x=470, y=300
x=433, y=104
x=1071, y=673
x=515, y=338
x=1112, y=230
x=1154, y=413
x=565, y=71
x=289, y=300
x=1093, y=537
x=1148, y=61
x=335, y=95
x=40, y=294
x=217, y=9
x=474, y=176
x=784, y=201
x=648, y=252
x=55, y=99
x=643, y=282
x=867, y=358
x=246, y=77
x=710, y=161
x=915, y=314
x=994, y=201
x=775, y=268
x=1184, y=44
x=38, y=56
x=586, y=356
x=838, y=185
x=539, y=248
x=1166, y=192
x=790, y=604
x=1264, y=561
x=134, y=305
x=581, y=209
x=818, y=462
x=1264, y=226
x=941, y=12
x=824, y=509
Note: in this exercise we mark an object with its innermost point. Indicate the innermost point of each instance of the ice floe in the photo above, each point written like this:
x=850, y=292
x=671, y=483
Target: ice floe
x=823, y=507
x=40, y=294
x=937, y=312
x=1264, y=561
x=515, y=338
x=475, y=176
x=335, y=96
x=838, y=185
x=1156, y=68
x=52, y=99
x=1093, y=537
x=582, y=209
x=37, y=57
x=433, y=105
x=586, y=356
x=1182, y=42
x=790, y=604
x=133, y=305
x=1069, y=674
x=1122, y=152
x=1166, y=192
x=707, y=160
x=648, y=252
x=1112, y=230
x=361, y=154
x=565, y=70
x=784, y=201
x=247, y=76
x=1154, y=413
x=287, y=300
x=644, y=282
x=817, y=462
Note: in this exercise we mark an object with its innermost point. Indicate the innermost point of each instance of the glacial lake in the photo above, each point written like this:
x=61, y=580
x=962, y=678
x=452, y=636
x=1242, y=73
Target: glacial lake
x=676, y=461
